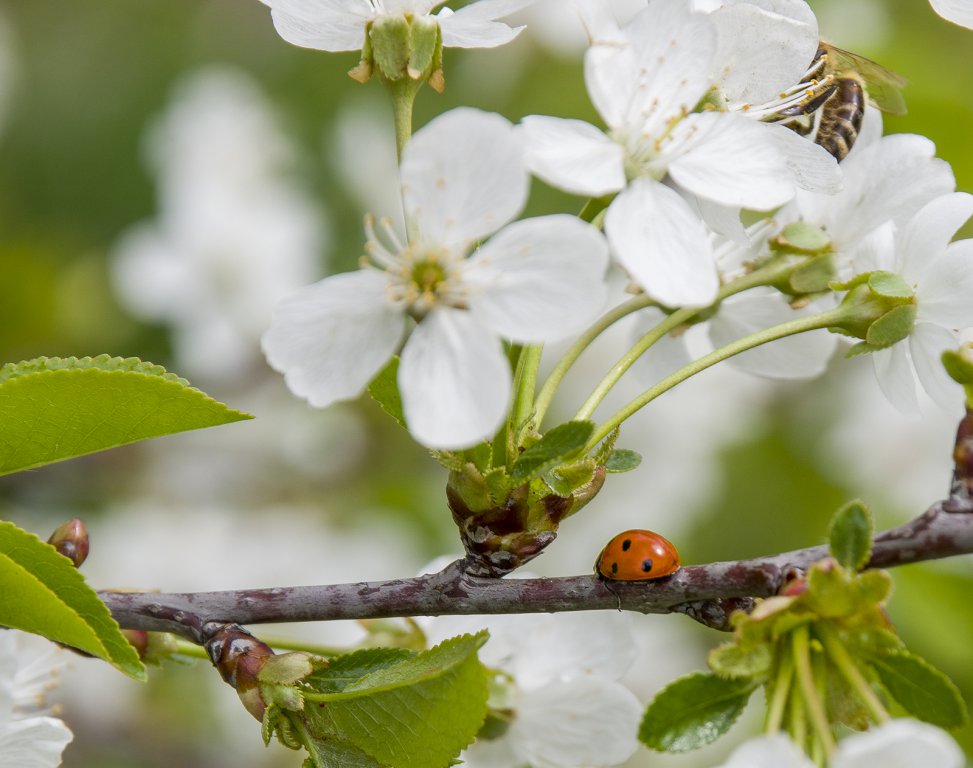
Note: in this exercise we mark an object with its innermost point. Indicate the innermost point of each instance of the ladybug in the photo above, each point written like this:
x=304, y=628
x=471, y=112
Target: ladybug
x=637, y=555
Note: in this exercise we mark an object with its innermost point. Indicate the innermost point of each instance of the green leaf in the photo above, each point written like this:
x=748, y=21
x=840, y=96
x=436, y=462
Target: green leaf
x=53, y=409
x=922, y=690
x=384, y=390
x=851, y=535
x=623, y=460
x=694, y=711
x=43, y=593
x=559, y=443
x=411, y=710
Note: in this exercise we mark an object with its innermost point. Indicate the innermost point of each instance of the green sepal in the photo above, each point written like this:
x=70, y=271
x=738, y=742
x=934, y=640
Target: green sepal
x=53, y=408
x=894, y=326
x=426, y=42
x=623, y=460
x=694, y=711
x=889, y=285
x=44, y=593
x=752, y=662
x=850, y=536
x=565, y=479
x=391, y=41
x=384, y=390
x=802, y=238
x=555, y=446
x=921, y=689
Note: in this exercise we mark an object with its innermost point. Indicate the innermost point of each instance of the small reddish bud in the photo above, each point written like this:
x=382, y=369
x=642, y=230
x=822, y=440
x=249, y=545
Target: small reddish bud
x=71, y=540
x=239, y=657
x=139, y=639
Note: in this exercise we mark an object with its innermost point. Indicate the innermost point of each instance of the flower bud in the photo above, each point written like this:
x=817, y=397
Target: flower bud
x=71, y=540
x=879, y=308
x=239, y=657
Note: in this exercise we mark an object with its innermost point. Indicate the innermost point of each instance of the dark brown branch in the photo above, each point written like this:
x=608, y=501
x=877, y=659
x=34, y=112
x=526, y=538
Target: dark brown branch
x=706, y=592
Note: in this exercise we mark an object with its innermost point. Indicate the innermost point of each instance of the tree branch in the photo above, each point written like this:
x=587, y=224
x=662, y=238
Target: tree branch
x=707, y=593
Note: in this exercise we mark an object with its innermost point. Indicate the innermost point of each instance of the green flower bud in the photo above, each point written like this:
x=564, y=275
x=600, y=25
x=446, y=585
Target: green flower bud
x=879, y=308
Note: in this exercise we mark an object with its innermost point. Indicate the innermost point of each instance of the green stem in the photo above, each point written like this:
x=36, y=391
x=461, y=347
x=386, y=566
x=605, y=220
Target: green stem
x=185, y=648
x=846, y=665
x=800, y=325
x=797, y=724
x=525, y=384
x=603, y=323
x=403, y=98
x=764, y=276
x=800, y=646
x=778, y=699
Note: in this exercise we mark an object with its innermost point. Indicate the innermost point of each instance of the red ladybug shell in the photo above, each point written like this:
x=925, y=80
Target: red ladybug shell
x=637, y=555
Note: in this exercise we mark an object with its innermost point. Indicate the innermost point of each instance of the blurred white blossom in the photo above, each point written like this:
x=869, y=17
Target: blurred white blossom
x=29, y=737
x=957, y=11
x=235, y=231
x=899, y=743
x=533, y=281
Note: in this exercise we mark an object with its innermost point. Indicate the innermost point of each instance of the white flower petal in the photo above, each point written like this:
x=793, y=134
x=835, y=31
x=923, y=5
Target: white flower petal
x=330, y=338
x=899, y=744
x=540, y=279
x=894, y=371
x=890, y=180
x=34, y=742
x=327, y=25
x=723, y=220
x=573, y=155
x=473, y=26
x=795, y=357
x=926, y=345
x=928, y=233
x=729, y=159
x=454, y=380
x=957, y=11
x=811, y=165
x=463, y=176
x=466, y=31
x=945, y=291
x=566, y=646
x=765, y=46
x=588, y=722
x=656, y=236
x=662, y=73
x=771, y=751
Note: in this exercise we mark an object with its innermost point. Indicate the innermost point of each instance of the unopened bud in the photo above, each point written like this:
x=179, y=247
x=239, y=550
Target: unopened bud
x=239, y=657
x=71, y=540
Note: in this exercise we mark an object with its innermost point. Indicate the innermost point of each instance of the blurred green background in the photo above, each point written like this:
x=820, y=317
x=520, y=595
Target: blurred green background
x=82, y=84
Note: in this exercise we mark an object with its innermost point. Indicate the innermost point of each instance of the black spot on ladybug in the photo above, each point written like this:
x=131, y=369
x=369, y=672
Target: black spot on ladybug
x=646, y=565
x=614, y=567
x=626, y=544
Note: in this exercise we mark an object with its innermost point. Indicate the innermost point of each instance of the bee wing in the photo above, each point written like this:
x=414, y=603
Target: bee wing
x=882, y=85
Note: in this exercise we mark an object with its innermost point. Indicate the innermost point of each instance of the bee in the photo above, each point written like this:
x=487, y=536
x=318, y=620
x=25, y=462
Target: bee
x=834, y=106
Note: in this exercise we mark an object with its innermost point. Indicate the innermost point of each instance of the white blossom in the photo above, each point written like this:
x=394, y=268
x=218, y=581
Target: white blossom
x=235, y=230
x=537, y=280
x=957, y=11
x=558, y=679
x=29, y=737
x=941, y=275
x=339, y=25
x=645, y=85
